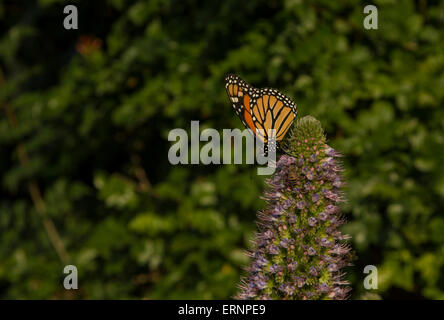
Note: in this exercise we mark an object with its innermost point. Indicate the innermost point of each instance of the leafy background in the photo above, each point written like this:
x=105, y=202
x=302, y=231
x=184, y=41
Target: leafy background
x=85, y=116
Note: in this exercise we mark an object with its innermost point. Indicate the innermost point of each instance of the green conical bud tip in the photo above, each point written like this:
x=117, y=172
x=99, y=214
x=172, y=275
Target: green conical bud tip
x=308, y=127
x=306, y=133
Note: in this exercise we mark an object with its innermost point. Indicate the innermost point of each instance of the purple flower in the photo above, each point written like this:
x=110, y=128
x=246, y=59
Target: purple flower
x=323, y=216
x=332, y=196
x=261, y=261
x=308, y=295
x=275, y=268
x=315, y=197
x=312, y=221
x=332, y=267
x=334, y=221
x=292, y=218
x=330, y=152
x=330, y=209
x=300, y=162
x=269, y=234
x=261, y=242
x=323, y=288
x=313, y=271
x=337, y=183
x=287, y=288
x=250, y=293
x=301, y=205
x=285, y=243
x=277, y=211
x=325, y=242
x=259, y=281
x=327, y=163
x=255, y=267
x=277, y=179
x=313, y=158
x=299, y=281
x=293, y=241
x=287, y=203
x=273, y=249
x=292, y=266
x=261, y=284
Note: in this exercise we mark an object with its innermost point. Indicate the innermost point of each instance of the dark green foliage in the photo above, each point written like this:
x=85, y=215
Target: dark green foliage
x=94, y=107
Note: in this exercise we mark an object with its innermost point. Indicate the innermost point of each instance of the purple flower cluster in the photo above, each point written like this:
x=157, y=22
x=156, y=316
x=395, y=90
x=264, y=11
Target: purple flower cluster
x=299, y=251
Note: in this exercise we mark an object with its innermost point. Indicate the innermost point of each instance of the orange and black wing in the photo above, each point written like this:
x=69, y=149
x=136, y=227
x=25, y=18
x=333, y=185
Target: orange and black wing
x=240, y=94
x=273, y=110
x=261, y=109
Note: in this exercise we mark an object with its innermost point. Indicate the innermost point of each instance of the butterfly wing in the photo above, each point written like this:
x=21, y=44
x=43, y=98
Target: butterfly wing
x=240, y=94
x=273, y=110
x=261, y=110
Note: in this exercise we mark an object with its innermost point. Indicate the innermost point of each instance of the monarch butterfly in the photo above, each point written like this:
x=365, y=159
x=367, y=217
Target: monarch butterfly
x=261, y=109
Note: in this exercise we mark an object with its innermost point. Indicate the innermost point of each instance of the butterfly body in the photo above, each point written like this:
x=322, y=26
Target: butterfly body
x=261, y=110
